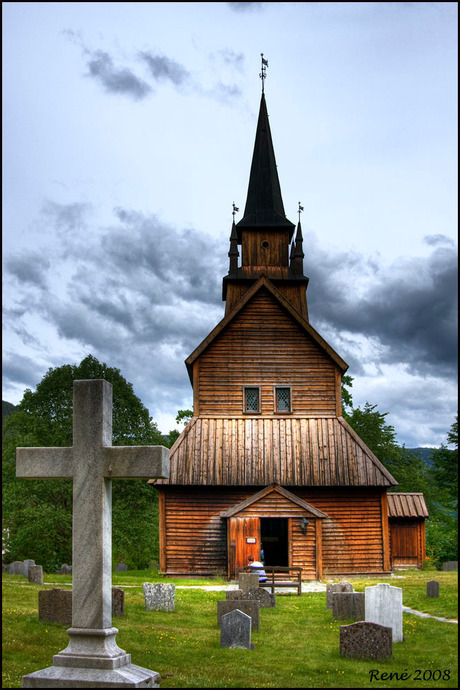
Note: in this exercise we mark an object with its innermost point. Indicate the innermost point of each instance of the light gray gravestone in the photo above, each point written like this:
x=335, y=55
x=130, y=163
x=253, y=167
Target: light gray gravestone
x=250, y=608
x=383, y=605
x=36, y=574
x=15, y=568
x=450, y=565
x=338, y=587
x=366, y=640
x=159, y=596
x=235, y=630
x=432, y=589
x=121, y=567
x=92, y=657
x=248, y=581
x=348, y=605
x=27, y=563
x=65, y=569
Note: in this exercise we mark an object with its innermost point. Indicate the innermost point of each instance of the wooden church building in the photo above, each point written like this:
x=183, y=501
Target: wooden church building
x=268, y=463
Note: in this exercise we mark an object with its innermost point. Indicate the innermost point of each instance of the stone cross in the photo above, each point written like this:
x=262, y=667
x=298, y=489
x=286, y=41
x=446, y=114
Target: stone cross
x=92, y=462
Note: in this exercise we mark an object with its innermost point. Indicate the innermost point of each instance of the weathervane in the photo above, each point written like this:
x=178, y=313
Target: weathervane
x=300, y=210
x=262, y=75
x=235, y=210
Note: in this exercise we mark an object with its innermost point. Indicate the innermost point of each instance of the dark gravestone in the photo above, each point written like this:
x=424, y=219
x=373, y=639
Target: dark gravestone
x=250, y=608
x=265, y=598
x=339, y=587
x=450, y=565
x=235, y=630
x=36, y=574
x=348, y=605
x=365, y=640
x=121, y=567
x=248, y=581
x=432, y=589
x=55, y=605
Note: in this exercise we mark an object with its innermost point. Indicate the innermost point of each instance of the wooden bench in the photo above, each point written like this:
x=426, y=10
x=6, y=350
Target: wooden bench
x=279, y=576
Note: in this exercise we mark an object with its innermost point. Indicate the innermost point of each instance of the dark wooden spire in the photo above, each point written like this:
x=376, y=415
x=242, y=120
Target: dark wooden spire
x=264, y=204
x=297, y=253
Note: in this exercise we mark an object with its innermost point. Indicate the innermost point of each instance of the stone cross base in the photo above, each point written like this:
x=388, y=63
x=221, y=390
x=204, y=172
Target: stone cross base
x=92, y=659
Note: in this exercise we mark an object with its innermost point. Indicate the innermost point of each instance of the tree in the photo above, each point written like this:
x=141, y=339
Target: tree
x=38, y=513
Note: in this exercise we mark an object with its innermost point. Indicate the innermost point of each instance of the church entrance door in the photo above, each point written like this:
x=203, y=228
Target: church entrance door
x=275, y=541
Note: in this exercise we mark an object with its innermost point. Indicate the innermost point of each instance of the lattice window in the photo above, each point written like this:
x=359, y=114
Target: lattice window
x=251, y=400
x=283, y=399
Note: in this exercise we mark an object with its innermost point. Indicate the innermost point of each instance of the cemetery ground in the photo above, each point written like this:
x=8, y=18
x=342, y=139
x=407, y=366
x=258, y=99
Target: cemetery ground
x=297, y=644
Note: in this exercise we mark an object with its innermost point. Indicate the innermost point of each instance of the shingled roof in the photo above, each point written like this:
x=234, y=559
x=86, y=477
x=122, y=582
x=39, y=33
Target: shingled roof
x=406, y=505
x=257, y=451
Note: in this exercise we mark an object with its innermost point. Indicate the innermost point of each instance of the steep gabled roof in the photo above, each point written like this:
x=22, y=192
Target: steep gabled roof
x=258, y=451
x=264, y=283
x=273, y=488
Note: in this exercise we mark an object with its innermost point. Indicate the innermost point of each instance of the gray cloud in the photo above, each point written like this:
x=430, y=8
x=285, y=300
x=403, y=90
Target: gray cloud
x=29, y=268
x=163, y=68
x=19, y=369
x=66, y=218
x=119, y=81
x=246, y=6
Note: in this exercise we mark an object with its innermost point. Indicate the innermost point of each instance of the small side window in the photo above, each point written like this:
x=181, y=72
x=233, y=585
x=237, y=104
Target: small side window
x=283, y=399
x=251, y=399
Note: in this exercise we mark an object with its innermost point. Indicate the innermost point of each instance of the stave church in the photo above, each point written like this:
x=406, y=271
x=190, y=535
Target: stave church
x=268, y=466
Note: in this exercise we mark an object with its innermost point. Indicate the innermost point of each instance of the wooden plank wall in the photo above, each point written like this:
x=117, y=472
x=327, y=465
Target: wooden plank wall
x=264, y=347
x=196, y=539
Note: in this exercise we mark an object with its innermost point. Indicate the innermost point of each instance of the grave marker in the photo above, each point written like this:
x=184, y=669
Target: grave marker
x=235, y=631
x=383, y=605
x=92, y=656
x=159, y=596
x=250, y=608
x=338, y=587
x=348, y=605
x=366, y=640
x=36, y=574
x=248, y=581
x=432, y=589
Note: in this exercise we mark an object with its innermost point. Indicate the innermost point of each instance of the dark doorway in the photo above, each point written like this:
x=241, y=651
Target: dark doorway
x=274, y=541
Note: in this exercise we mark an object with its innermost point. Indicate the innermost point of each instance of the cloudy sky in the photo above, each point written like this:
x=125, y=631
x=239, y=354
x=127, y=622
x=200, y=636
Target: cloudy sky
x=128, y=131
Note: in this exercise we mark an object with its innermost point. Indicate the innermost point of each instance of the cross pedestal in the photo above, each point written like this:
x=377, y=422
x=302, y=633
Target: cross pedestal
x=92, y=657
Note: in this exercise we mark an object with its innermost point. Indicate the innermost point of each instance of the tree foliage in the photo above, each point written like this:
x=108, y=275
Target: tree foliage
x=38, y=513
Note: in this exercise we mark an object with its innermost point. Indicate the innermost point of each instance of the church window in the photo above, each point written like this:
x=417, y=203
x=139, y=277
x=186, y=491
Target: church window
x=251, y=399
x=283, y=399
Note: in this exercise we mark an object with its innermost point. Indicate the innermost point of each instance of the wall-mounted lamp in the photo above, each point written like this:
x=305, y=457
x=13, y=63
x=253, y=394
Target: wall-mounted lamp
x=303, y=522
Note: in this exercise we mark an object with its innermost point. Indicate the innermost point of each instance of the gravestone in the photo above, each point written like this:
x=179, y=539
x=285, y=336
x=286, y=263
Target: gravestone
x=383, y=605
x=15, y=568
x=159, y=596
x=36, y=574
x=92, y=657
x=265, y=598
x=365, y=640
x=235, y=630
x=338, y=587
x=450, y=565
x=250, y=608
x=55, y=605
x=121, y=567
x=65, y=569
x=27, y=563
x=348, y=605
x=432, y=589
x=248, y=581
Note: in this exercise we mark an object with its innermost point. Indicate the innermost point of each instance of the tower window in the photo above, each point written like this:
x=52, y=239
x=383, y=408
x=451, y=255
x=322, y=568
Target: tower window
x=283, y=399
x=265, y=244
x=251, y=399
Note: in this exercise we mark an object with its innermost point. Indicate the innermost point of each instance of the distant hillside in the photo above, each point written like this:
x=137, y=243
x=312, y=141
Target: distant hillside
x=7, y=409
x=424, y=453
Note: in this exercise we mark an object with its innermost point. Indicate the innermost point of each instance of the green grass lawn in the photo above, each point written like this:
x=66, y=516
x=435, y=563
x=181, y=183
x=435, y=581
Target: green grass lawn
x=297, y=645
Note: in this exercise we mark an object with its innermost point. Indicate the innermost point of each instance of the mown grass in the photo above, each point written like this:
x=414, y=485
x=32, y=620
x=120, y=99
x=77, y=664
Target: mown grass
x=297, y=645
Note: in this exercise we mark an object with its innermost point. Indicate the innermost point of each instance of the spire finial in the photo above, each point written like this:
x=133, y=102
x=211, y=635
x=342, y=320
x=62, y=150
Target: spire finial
x=262, y=75
x=300, y=210
x=235, y=210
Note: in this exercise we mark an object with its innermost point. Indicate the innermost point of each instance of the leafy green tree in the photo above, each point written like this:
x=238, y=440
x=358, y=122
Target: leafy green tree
x=38, y=513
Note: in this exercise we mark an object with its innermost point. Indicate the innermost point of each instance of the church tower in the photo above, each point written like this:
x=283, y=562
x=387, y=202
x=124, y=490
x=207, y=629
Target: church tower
x=264, y=233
